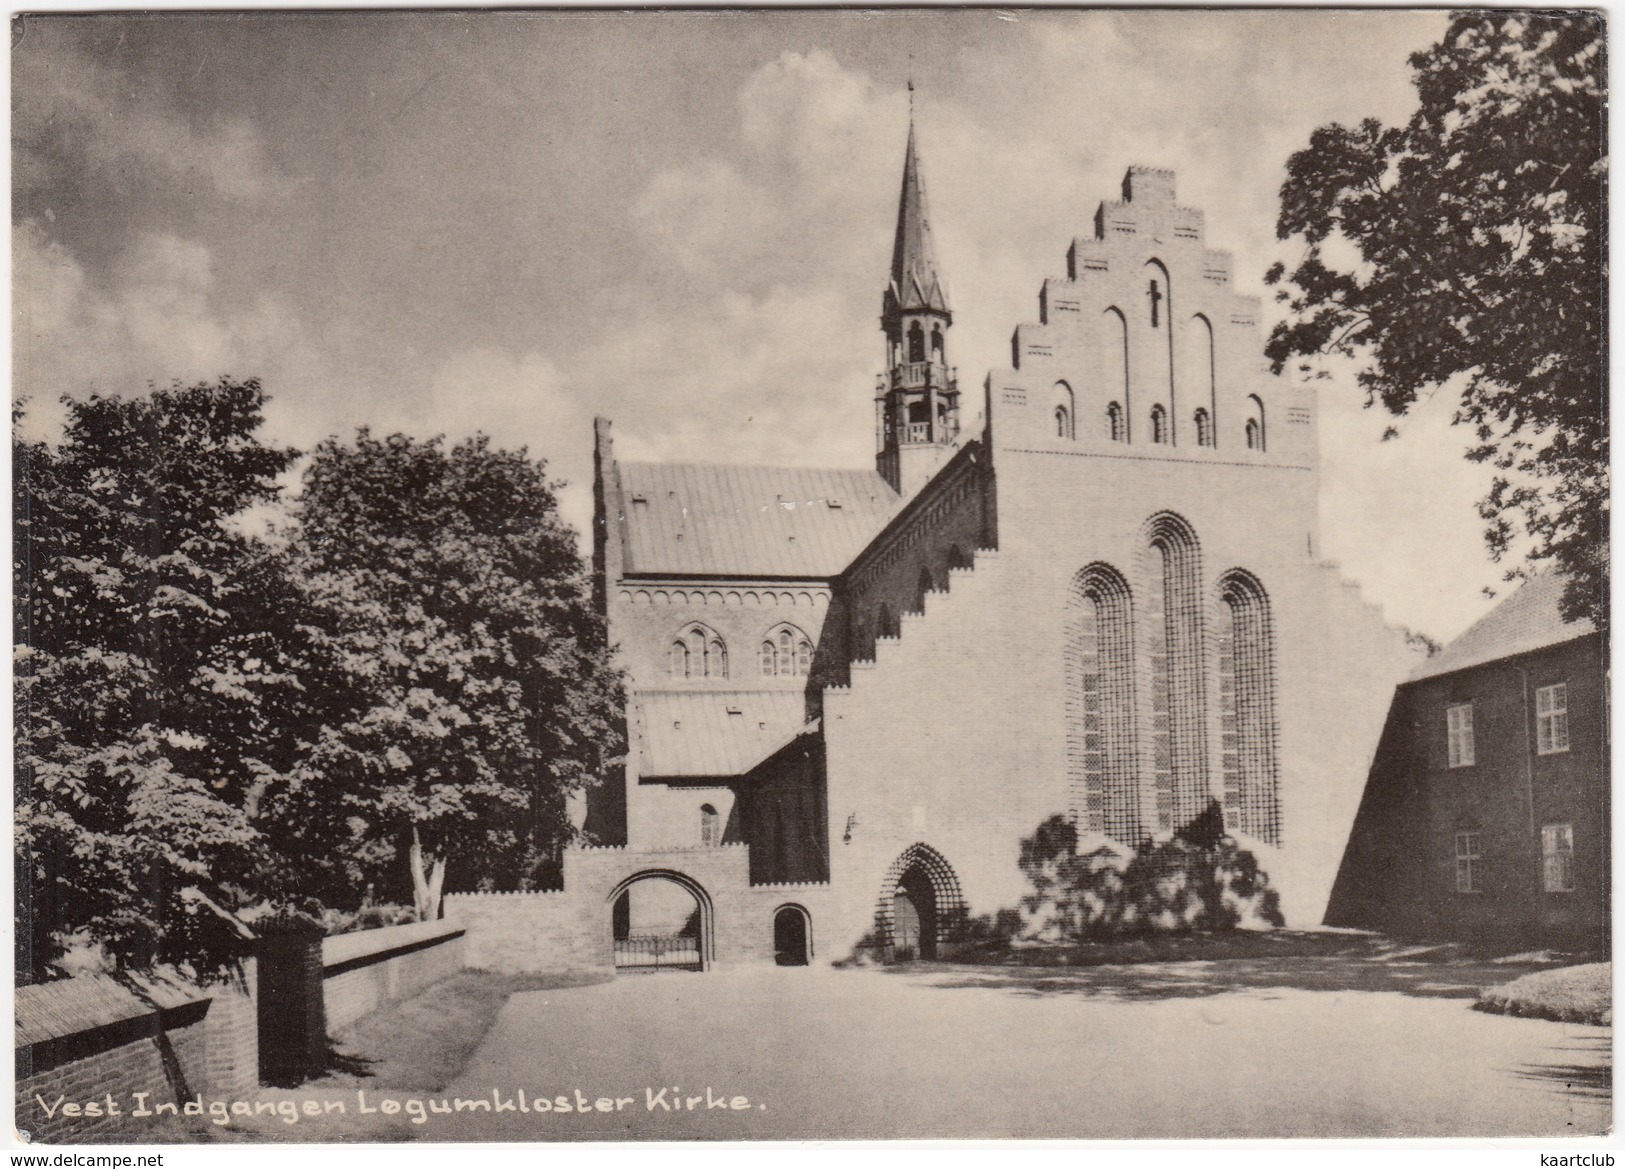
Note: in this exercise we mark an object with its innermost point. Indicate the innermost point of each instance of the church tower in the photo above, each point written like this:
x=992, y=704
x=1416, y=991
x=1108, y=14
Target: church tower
x=917, y=399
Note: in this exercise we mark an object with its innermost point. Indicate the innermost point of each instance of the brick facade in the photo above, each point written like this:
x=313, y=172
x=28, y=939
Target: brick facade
x=1400, y=873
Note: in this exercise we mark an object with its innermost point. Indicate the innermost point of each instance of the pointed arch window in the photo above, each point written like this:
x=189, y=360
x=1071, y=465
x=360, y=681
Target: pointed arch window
x=1114, y=422
x=1159, y=425
x=1102, y=763
x=698, y=652
x=916, y=342
x=1246, y=646
x=786, y=653
x=1174, y=649
x=1255, y=423
x=1063, y=413
x=1204, y=427
x=936, y=344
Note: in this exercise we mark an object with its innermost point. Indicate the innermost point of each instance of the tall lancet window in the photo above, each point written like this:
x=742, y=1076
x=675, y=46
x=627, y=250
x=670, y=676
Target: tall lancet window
x=1102, y=763
x=1246, y=645
x=936, y=344
x=1174, y=645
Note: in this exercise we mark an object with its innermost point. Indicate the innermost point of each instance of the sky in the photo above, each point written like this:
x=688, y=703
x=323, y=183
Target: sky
x=438, y=223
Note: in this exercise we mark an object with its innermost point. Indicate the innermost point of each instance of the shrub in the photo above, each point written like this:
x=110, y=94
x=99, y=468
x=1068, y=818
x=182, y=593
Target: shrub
x=1199, y=879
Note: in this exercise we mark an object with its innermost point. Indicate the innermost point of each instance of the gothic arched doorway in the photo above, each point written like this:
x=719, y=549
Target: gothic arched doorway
x=661, y=920
x=792, y=936
x=921, y=906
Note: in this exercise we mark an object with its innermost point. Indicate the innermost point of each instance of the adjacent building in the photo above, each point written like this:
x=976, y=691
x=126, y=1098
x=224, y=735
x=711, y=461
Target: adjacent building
x=1486, y=814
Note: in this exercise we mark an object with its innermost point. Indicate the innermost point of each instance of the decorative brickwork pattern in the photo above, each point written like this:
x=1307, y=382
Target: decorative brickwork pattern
x=949, y=908
x=1246, y=653
x=1174, y=636
x=1102, y=752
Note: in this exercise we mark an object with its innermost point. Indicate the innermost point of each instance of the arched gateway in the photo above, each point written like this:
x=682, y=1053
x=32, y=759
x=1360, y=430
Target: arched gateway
x=921, y=907
x=662, y=920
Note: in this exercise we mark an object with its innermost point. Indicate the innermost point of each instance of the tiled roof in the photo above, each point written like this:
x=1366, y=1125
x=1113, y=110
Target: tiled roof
x=1525, y=621
x=715, y=733
x=712, y=520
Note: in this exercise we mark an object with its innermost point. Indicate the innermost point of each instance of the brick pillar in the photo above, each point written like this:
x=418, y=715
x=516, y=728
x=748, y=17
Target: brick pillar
x=292, y=1017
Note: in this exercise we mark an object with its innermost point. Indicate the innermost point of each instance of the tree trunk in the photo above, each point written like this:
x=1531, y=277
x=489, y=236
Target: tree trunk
x=426, y=888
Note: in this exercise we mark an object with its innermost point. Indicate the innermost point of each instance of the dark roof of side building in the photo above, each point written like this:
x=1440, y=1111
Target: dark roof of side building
x=701, y=519
x=1527, y=620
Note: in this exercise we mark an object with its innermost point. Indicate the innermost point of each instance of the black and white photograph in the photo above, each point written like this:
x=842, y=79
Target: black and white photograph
x=789, y=575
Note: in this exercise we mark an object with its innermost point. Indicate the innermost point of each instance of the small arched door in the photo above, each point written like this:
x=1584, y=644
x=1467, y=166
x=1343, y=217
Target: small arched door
x=792, y=937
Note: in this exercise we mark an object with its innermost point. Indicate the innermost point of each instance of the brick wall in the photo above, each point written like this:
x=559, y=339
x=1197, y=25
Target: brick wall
x=372, y=968
x=572, y=929
x=83, y=1040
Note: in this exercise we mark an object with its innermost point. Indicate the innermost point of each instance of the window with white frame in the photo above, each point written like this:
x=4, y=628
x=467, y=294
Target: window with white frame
x=1458, y=722
x=1552, y=719
x=1469, y=863
x=1557, y=853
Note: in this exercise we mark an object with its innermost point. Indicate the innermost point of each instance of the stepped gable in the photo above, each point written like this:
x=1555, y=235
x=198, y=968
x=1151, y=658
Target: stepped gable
x=1527, y=620
x=702, y=519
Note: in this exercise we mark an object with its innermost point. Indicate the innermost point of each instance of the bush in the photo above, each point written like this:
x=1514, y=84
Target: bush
x=1198, y=880
x=1572, y=994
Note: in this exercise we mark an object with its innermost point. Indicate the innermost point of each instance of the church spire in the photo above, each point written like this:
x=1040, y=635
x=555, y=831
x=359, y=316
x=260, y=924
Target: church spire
x=915, y=280
x=917, y=401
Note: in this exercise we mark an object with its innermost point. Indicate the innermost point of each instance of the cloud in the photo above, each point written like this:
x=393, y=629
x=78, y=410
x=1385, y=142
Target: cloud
x=89, y=124
x=152, y=320
x=518, y=399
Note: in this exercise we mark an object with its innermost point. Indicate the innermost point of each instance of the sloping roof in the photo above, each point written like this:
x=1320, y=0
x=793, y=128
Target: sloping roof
x=699, y=519
x=915, y=280
x=1527, y=620
x=715, y=733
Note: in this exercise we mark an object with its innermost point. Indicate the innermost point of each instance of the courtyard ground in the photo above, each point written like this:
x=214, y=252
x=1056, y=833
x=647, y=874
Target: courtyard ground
x=1171, y=1050
x=1381, y=1040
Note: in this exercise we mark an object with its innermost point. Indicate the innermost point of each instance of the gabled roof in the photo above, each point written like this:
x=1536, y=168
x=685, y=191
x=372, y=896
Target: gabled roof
x=714, y=733
x=700, y=519
x=915, y=281
x=1527, y=620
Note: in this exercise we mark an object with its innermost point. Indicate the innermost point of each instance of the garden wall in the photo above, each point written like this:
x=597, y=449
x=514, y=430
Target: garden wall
x=87, y=1045
x=372, y=968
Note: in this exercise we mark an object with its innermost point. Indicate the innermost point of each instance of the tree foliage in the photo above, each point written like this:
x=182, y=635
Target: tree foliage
x=148, y=678
x=1466, y=248
x=470, y=688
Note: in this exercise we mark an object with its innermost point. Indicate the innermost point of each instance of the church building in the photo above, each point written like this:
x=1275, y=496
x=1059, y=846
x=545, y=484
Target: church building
x=1087, y=584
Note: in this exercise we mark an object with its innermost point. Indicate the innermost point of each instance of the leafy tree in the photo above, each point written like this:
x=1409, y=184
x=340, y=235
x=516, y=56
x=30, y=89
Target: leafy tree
x=147, y=677
x=472, y=690
x=1465, y=249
